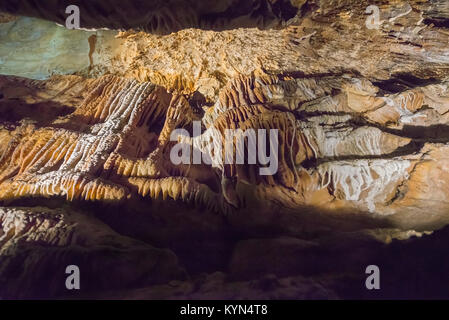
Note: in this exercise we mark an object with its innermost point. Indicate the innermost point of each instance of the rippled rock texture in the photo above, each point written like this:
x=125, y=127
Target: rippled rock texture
x=86, y=175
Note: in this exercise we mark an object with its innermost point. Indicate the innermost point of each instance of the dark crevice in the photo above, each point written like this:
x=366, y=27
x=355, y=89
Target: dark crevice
x=285, y=10
x=296, y=74
x=434, y=134
x=403, y=81
x=43, y=113
x=437, y=22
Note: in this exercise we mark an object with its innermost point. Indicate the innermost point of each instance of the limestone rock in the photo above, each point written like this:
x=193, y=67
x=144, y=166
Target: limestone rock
x=89, y=120
x=43, y=242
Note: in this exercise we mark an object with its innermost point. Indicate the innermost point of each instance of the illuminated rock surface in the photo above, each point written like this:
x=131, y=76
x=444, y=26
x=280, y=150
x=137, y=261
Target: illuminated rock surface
x=86, y=175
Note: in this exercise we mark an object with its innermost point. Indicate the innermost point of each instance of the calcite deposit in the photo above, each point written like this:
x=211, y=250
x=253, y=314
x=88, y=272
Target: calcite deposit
x=88, y=122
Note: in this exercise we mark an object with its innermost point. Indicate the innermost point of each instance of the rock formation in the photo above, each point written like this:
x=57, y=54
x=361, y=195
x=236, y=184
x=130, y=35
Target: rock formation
x=86, y=140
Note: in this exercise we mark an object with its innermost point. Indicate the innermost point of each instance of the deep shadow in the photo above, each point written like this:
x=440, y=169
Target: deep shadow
x=161, y=17
x=43, y=113
x=204, y=242
x=400, y=82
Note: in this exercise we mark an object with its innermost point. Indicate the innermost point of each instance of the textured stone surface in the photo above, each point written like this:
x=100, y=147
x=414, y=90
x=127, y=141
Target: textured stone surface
x=362, y=117
x=37, y=244
x=333, y=153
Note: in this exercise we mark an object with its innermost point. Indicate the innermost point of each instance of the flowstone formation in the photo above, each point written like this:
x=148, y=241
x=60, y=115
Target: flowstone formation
x=87, y=175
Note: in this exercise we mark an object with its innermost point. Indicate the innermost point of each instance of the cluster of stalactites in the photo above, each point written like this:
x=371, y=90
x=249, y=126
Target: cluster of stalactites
x=117, y=143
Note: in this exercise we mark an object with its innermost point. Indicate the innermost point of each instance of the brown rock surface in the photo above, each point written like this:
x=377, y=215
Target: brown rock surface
x=38, y=243
x=362, y=122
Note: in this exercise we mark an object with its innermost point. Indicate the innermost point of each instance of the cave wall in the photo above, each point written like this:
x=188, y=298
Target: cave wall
x=86, y=176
